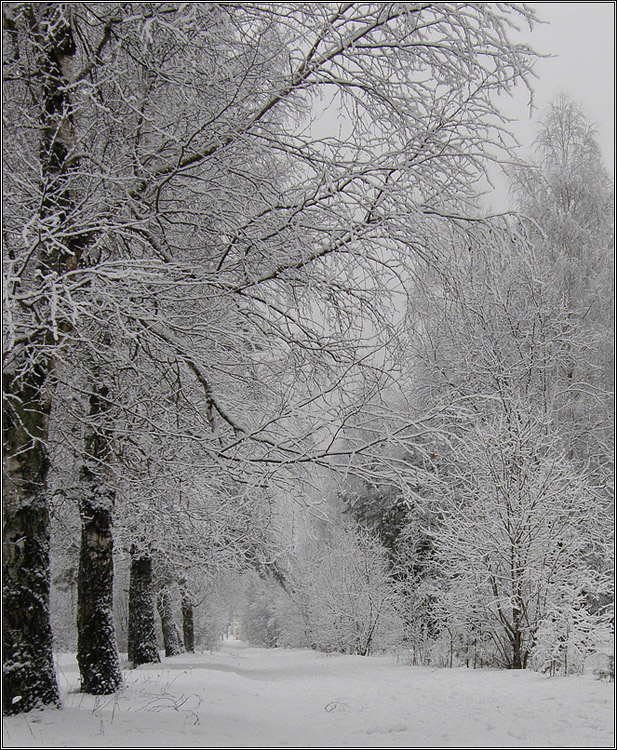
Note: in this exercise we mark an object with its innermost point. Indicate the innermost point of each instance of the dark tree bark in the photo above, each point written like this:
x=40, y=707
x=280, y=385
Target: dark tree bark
x=188, y=623
x=29, y=678
x=28, y=669
x=171, y=635
x=97, y=652
x=520, y=654
x=142, y=634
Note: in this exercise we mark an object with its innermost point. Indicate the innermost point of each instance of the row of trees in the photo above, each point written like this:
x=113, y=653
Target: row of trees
x=200, y=281
x=495, y=515
x=497, y=547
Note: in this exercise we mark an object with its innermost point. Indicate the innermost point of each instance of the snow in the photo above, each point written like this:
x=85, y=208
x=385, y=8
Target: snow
x=243, y=696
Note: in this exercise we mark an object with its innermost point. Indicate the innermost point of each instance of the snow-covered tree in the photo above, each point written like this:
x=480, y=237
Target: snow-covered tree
x=567, y=198
x=517, y=533
x=166, y=186
x=500, y=336
x=343, y=595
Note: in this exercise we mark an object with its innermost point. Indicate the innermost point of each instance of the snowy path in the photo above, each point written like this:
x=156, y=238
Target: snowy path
x=250, y=697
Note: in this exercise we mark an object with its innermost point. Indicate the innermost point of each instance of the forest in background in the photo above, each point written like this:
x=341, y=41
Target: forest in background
x=264, y=353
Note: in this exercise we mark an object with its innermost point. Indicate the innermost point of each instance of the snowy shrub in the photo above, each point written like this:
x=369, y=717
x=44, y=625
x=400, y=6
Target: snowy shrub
x=344, y=595
x=569, y=636
x=514, y=544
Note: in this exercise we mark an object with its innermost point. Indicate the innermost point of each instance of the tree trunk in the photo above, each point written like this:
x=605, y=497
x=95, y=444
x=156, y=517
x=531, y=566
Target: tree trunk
x=519, y=655
x=29, y=678
x=188, y=623
x=171, y=635
x=97, y=652
x=28, y=671
x=142, y=635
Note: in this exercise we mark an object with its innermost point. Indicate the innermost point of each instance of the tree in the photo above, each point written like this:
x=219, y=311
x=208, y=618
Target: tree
x=187, y=209
x=495, y=336
x=97, y=653
x=171, y=634
x=515, y=533
x=188, y=619
x=404, y=521
x=28, y=670
x=567, y=198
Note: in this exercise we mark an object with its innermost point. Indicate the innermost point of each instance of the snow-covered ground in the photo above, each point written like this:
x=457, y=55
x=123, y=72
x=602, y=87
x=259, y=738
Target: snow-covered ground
x=243, y=696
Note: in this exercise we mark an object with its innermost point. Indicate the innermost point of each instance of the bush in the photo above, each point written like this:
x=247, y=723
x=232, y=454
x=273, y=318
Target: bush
x=344, y=597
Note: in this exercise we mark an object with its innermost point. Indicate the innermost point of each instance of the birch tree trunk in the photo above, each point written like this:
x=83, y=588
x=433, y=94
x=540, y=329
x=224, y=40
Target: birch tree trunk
x=29, y=676
x=28, y=669
x=142, y=635
x=97, y=652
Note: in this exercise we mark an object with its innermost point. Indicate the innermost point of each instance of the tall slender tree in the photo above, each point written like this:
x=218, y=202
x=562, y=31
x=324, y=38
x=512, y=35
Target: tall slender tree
x=568, y=199
x=28, y=671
